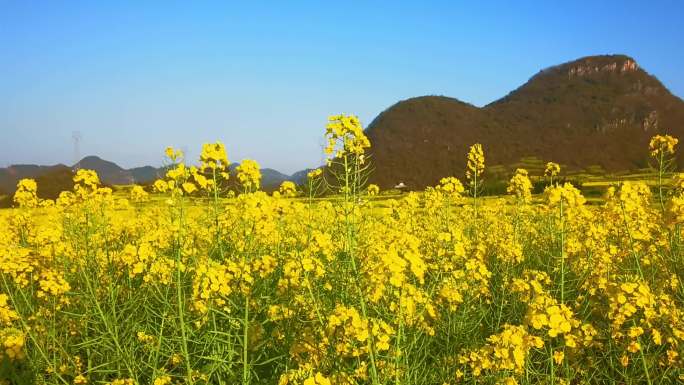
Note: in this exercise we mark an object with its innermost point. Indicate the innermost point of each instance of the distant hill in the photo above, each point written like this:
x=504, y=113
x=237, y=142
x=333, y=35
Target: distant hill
x=594, y=111
x=270, y=178
x=11, y=175
x=109, y=172
x=51, y=184
x=58, y=177
x=54, y=179
x=112, y=174
x=146, y=174
x=300, y=177
x=51, y=180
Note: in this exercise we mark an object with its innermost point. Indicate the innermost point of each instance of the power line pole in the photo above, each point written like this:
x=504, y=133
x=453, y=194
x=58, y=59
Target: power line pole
x=76, y=138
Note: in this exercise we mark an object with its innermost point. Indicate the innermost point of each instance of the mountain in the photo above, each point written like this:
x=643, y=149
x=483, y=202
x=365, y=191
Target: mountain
x=597, y=111
x=51, y=180
x=51, y=184
x=54, y=179
x=11, y=175
x=112, y=174
x=146, y=174
x=109, y=172
x=57, y=178
x=300, y=177
x=270, y=178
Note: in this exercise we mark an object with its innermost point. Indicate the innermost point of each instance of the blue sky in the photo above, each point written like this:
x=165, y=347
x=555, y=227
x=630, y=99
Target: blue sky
x=263, y=76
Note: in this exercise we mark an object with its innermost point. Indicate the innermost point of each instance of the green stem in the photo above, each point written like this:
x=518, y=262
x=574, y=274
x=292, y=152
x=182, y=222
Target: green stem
x=348, y=199
x=245, y=342
x=180, y=300
x=562, y=252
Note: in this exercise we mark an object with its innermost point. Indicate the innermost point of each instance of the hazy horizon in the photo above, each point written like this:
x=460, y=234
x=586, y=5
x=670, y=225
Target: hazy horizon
x=263, y=78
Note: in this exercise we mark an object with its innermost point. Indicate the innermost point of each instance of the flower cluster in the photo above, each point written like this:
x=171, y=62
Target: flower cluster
x=213, y=157
x=662, y=145
x=451, y=185
x=352, y=332
x=476, y=162
x=138, y=194
x=373, y=189
x=314, y=173
x=505, y=351
x=287, y=189
x=12, y=344
x=520, y=185
x=345, y=136
x=86, y=182
x=7, y=315
x=249, y=174
x=26, y=194
x=552, y=170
